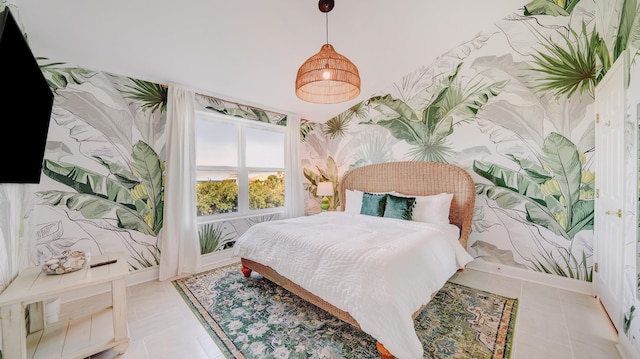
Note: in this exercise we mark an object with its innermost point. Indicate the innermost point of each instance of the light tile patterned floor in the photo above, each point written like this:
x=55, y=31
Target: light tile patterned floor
x=551, y=322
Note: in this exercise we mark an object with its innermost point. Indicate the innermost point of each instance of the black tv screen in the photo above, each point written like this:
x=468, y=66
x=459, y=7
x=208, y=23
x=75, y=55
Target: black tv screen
x=25, y=106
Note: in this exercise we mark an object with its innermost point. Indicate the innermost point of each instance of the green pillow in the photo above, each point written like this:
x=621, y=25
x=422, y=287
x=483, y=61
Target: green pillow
x=373, y=204
x=399, y=207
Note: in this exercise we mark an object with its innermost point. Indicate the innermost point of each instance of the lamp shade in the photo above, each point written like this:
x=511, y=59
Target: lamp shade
x=327, y=77
x=325, y=189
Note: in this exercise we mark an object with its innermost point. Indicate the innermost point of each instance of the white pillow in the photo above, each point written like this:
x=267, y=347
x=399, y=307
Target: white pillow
x=353, y=201
x=431, y=209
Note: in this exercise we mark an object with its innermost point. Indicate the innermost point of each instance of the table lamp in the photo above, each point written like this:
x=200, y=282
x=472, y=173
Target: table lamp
x=325, y=189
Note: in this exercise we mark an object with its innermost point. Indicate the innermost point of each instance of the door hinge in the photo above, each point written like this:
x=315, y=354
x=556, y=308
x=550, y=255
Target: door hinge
x=597, y=118
x=597, y=193
x=595, y=267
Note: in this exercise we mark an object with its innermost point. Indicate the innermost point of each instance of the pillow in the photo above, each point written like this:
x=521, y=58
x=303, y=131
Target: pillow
x=431, y=209
x=373, y=204
x=353, y=201
x=399, y=207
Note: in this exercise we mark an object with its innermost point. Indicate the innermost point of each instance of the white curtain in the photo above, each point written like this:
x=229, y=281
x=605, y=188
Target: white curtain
x=16, y=230
x=293, y=192
x=179, y=243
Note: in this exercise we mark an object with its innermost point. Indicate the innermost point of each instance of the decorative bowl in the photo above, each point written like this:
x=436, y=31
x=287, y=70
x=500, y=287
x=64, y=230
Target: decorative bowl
x=64, y=262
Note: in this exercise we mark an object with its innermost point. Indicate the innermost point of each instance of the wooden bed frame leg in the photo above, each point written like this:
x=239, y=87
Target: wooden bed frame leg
x=246, y=271
x=384, y=353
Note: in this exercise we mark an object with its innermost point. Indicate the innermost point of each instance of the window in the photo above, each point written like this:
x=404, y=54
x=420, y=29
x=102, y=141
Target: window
x=239, y=166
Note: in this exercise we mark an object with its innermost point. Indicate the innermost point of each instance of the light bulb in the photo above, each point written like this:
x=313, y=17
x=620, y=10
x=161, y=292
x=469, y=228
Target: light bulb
x=326, y=75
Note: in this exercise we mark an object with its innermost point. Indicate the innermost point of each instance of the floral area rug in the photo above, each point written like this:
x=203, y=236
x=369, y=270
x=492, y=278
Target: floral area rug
x=254, y=318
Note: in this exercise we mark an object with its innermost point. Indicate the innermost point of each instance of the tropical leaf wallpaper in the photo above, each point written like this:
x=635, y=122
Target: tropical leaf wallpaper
x=209, y=103
x=103, y=184
x=515, y=107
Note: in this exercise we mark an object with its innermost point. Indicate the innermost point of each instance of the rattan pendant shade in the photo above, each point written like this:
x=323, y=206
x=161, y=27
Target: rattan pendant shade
x=327, y=77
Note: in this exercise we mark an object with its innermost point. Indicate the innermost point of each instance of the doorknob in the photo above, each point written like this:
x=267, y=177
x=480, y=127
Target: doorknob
x=618, y=212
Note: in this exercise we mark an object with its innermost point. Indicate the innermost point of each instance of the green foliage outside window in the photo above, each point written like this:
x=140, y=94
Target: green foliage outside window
x=222, y=196
x=216, y=197
x=268, y=193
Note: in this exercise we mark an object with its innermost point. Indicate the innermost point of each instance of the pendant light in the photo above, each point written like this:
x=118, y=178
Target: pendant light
x=327, y=77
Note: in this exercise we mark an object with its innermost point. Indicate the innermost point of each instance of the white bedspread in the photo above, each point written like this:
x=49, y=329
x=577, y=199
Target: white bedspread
x=379, y=270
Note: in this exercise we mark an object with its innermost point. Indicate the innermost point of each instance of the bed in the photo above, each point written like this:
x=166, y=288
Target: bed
x=375, y=273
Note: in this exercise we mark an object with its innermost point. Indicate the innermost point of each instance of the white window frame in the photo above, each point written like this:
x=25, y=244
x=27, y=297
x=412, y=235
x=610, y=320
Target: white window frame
x=242, y=171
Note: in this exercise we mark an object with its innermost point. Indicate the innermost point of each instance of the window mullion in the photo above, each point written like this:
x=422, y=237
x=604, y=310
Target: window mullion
x=243, y=182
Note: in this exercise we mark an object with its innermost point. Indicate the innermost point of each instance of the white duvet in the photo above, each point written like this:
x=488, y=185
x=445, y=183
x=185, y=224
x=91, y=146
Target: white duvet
x=379, y=270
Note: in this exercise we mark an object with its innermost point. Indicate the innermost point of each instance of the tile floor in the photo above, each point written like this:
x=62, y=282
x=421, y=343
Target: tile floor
x=551, y=322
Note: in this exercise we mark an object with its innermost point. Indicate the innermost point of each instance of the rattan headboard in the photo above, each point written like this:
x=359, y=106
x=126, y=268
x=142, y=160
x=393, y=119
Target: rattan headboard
x=420, y=179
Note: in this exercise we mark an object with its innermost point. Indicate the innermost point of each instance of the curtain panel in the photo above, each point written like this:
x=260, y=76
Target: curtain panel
x=179, y=243
x=293, y=190
x=17, y=238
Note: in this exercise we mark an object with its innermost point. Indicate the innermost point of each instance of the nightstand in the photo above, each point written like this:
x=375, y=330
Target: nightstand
x=81, y=335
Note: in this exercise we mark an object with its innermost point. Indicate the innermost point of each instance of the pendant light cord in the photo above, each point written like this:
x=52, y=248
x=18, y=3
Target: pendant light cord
x=327, y=23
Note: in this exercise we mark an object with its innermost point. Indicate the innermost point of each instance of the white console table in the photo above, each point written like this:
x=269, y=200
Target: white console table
x=79, y=336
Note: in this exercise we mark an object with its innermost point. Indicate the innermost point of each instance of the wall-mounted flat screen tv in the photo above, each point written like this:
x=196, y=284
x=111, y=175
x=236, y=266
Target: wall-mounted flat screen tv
x=25, y=104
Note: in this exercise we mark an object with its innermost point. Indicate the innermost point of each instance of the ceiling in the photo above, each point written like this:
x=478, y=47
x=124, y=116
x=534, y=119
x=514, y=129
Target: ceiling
x=249, y=51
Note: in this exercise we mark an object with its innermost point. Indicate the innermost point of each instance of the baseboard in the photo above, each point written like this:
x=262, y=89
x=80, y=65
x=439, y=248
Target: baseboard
x=579, y=286
x=625, y=348
x=142, y=275
x=207, y=262
x=217, y=259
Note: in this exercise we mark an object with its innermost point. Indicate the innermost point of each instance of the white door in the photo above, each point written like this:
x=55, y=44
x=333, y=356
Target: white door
x=608, y=229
